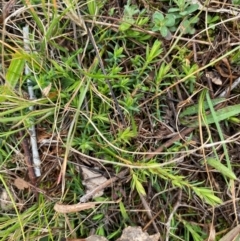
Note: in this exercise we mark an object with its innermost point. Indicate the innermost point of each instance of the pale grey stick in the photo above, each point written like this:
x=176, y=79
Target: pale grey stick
x=234, y=85
x=33, y=137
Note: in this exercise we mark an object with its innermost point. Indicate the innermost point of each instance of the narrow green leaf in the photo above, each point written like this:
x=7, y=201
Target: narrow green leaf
x=138, y=185
x=98, y=217
x=155, y=51
x=216, y=121
x=92, y=7
x=123, y=211
x=207, y=195
x=221, y=168
x=193, y=230
x=15, y=70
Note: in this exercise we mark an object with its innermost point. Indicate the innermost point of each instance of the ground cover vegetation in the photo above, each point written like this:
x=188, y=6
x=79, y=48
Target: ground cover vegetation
x=143, y=93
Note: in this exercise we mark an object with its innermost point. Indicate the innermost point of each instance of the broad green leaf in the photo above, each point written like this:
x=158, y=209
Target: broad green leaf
x=170, y=20
x=193, y=109
x=158, y=17
x=164, y=31
x=15, y=70
x=221, y=168
x=173, y=10
x=36, y=113
x=192, y=8
x=224, y=113
x=220, y=115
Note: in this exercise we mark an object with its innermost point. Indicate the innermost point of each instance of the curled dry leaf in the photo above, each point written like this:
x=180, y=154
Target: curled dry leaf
x=20, y=183
x=61, y=208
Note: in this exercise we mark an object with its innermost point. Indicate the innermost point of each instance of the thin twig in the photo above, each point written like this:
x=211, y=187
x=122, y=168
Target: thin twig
x=33, y=136
x=175, y=207
x=149, y=214
x=28, y=159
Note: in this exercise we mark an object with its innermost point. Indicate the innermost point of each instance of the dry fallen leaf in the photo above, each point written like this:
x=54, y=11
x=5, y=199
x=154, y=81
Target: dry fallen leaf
x=214, y=77
x=92, y=179
x=20, y=183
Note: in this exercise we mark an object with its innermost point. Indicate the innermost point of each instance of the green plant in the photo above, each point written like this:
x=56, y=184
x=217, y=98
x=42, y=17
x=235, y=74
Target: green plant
x=133, y=16
x=183, y=8
x=163, y=24
x=236, y=2
x=188, y=70
x=193, y=231
x=187, y=25
x=212, y=20
x=175, y=15
x=128, y=16
x=78, y=123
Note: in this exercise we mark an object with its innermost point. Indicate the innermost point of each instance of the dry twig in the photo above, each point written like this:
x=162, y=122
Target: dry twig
x=27, y=157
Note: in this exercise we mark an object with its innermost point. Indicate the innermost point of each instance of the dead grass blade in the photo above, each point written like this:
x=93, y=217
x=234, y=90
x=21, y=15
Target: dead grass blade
x=231, y=235
x=6, y=10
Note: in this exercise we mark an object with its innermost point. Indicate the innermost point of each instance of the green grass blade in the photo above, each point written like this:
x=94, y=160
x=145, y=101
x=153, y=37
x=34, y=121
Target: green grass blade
x=233, y=110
